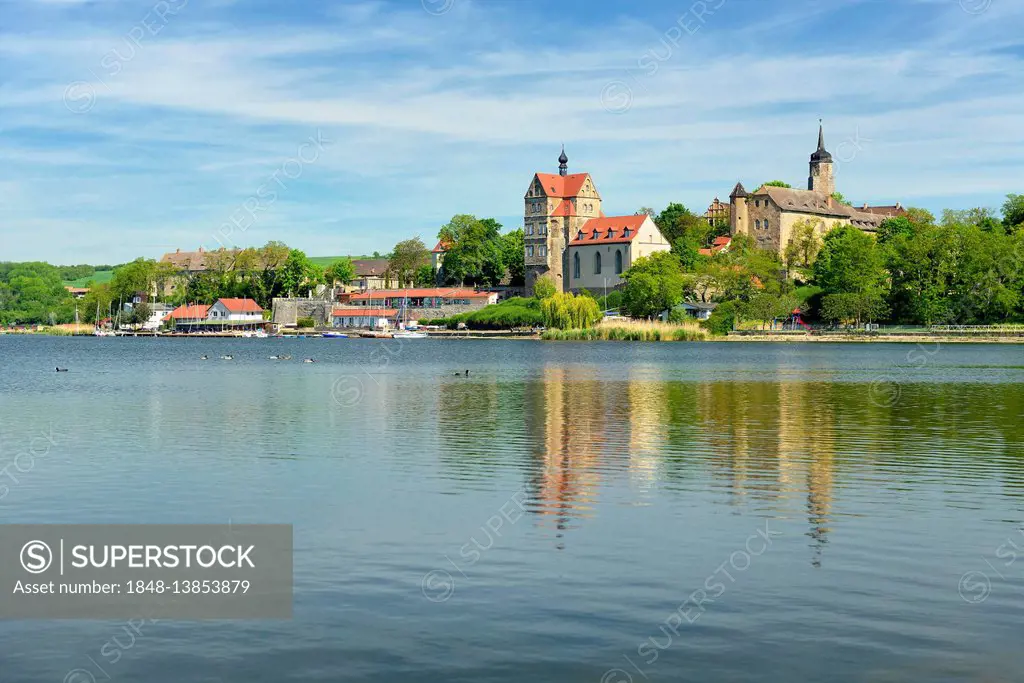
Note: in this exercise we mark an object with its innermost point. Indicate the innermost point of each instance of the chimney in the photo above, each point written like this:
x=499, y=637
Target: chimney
x=178, y=250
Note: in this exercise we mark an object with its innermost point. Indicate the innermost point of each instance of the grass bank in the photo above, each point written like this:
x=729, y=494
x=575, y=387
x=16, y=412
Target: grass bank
x=632, y=330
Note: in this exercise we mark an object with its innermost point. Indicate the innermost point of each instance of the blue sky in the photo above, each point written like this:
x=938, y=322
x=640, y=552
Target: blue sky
x=133, y=128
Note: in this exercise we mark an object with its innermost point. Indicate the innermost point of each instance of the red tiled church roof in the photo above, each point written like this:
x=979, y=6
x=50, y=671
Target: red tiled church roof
x=562, y=186
x=609, y=230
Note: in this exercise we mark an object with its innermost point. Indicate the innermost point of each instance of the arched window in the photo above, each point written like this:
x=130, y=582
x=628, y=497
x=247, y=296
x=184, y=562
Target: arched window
x=757, y=224
x=618, y=262
x=576, y=265
x=597, y=263
x=765, y=224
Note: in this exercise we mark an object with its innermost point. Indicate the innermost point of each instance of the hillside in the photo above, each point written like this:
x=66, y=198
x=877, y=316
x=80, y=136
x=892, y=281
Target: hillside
x=99, y=277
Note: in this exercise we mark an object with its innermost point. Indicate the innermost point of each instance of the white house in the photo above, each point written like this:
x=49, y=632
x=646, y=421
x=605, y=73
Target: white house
x=363, y=317
x=235, y=310
x=606, y=247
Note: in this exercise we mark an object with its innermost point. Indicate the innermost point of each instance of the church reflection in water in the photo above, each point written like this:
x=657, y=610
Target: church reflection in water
x=770, y=447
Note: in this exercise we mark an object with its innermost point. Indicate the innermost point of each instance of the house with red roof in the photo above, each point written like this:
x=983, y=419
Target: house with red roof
x=188, y=314
x=603, y=248
x=364, y=317
x=235, y=310
x=719, y=245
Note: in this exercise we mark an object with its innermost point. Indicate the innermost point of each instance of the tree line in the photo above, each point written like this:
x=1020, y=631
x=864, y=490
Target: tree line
x=965, y=268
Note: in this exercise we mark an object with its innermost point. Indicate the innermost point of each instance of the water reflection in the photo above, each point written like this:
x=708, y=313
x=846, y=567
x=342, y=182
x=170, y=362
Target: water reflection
x=777, y=447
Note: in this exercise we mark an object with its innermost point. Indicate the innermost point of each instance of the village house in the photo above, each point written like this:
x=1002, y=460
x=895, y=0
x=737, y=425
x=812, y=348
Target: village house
x=364, y=317
x=236, y=310
x=371, y=274
x=603, y=248
x=224, y=314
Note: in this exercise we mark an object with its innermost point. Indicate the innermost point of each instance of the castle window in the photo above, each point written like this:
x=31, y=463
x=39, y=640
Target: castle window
x=766, y=224
x=576, y=265
x=618, y=262
x=543, y=250
x=529, y=229
x=529, y=251
x=757, y=224
x=597, y=263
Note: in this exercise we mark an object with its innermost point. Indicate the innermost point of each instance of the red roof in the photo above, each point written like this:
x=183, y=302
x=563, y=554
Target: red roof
x=442, y=292
x=363, y=312
x=441, y=247
x=193, y=312
x=241, y=305
x=719, y=244
x=609, y=230
x=562, y=186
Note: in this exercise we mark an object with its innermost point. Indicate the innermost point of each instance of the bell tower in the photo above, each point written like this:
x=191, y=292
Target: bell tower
x=821, y=178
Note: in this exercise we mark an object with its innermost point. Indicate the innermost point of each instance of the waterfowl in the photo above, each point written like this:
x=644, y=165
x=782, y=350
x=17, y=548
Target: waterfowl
x=309, y=360
x=227, y=357
x=62, y=369
x=204, y=358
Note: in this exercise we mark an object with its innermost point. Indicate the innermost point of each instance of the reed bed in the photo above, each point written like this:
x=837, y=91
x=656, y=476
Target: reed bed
x=632, y=330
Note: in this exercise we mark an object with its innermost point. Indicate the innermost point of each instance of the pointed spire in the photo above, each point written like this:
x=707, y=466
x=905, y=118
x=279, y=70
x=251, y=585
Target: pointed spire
x=821, y=154
x=738, y=191
x=563, y=163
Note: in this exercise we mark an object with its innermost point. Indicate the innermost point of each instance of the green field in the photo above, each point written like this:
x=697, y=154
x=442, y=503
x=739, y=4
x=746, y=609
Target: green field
x=98, y=278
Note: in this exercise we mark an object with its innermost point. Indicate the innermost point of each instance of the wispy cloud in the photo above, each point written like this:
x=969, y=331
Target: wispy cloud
x=438, y=114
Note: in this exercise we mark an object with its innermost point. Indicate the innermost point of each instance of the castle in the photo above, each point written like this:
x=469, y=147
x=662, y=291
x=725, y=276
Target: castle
x=570, y=240
x=769, y=213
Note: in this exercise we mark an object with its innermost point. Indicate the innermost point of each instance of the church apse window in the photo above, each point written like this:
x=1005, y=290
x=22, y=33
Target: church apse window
x=597, y=263
x=618, y=262
x=576, y=265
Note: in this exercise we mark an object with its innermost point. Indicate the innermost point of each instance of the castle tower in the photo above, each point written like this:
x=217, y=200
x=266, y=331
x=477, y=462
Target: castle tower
x=557, y=206
x=738, y=222
x=821, y=178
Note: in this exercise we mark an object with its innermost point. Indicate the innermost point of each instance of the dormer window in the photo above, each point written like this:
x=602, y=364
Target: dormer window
x=626, y=232
x=611, y=233
x=579, y=235
x=595, y=235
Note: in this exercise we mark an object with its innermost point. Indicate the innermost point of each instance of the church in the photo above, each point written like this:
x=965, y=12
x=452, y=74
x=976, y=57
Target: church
x=570, y=240
x=769, y=213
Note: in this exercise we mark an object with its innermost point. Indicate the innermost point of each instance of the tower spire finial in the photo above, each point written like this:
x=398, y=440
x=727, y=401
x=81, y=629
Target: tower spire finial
x=563, y=163
x=821, y=136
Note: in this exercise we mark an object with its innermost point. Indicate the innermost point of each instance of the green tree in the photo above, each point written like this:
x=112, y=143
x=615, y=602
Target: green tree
x=133, y=278
x=766, y=307
x=777, y=183
x=892, y=227
x=838, y=196
x=1013, y=212
x=646, y=211
x=139, y=314
x=341, y=271
x=513, y=249
x=425, y=276
x=850, y=261
x=544, y=288
x=919, y=216
x=406, y=259
x=804, y=243
x=568, y=312
x=653, y=284
x=299, y=275
x=475, y=255
x=97, y=300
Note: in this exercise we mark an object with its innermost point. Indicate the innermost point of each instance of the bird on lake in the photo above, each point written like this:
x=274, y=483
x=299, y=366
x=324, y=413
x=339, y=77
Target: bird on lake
x=309, y=360
x=227, y=357
x=462, y=374
x=62, y=369
x=204, y=358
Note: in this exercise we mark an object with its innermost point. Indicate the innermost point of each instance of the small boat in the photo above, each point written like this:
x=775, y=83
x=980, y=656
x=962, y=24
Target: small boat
x=335, y=335
x=409, y=334
x=103, y=333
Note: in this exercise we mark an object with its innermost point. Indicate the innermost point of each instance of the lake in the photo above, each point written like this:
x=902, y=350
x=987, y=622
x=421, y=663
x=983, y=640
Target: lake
x=600, y=512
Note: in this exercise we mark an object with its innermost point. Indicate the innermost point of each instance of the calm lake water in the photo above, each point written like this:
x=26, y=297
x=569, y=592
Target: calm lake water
x=840, y=512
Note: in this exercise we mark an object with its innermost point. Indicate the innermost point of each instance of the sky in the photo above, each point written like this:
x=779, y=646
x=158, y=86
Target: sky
x=131, y=128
